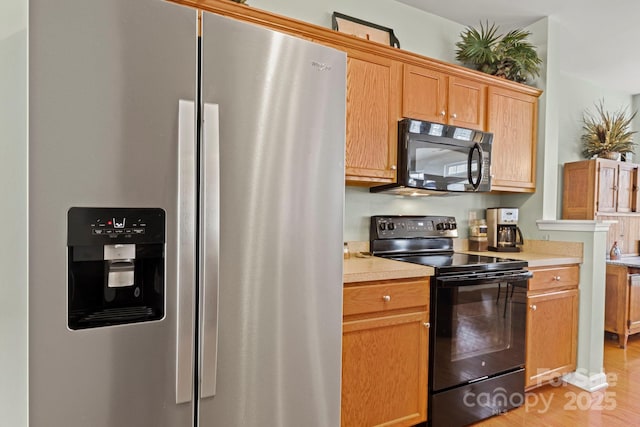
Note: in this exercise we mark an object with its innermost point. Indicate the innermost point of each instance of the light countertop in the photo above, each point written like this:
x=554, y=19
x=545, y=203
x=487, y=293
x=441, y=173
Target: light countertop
x=375, y=268
x=536, y=253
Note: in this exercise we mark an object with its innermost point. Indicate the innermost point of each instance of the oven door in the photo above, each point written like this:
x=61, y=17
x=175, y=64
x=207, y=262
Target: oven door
x=479, y=324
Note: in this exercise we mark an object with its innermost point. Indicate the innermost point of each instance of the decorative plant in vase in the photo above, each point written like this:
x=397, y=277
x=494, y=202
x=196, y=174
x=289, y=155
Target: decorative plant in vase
x=606, y=134
x=510, y=55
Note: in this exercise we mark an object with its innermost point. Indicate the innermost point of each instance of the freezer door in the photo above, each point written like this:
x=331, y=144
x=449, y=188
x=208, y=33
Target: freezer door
x=272, y=298
x=106, y=80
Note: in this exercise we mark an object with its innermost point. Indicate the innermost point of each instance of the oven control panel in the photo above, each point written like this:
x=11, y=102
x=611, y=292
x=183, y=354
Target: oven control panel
x=412, y=226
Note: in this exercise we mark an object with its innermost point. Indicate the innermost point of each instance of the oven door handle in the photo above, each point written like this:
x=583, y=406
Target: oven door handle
x=483, y=278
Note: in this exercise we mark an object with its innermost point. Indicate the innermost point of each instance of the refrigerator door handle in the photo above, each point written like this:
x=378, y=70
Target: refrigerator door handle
x=186, y=248
x=209, y=249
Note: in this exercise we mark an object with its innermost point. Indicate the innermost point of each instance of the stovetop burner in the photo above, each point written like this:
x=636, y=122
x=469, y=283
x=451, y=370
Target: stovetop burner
x=428, y=240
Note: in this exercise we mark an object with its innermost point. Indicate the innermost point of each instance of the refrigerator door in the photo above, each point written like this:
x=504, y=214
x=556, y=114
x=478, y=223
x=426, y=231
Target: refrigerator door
x=281, y=106
x=106, y=78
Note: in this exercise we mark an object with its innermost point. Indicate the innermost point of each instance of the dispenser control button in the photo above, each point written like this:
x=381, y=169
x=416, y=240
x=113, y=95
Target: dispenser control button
x=118, y=231
x=138, y=231
x=97, y=231
x=392, y=226
x=383, y=226
x=108, y=231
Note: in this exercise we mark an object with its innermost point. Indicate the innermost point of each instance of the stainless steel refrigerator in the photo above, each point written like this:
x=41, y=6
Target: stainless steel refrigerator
x=185, y=220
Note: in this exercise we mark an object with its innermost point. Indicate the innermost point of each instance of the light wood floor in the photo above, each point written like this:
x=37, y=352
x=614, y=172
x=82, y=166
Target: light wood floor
x=566, y=405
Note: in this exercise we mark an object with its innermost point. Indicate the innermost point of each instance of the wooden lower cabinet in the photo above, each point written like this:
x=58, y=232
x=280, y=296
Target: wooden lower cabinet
x=385, y=353
x=622, y=302
x=552, y=324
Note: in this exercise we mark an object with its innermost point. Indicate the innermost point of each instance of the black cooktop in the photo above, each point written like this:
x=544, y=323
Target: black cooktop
x=428, y=240
x=460, y=262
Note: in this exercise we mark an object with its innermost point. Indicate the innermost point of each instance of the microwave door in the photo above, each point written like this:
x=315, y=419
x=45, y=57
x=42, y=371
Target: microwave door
x=440, y=166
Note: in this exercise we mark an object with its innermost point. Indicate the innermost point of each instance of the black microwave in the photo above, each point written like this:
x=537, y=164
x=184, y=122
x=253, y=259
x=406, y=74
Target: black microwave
x=436, y=158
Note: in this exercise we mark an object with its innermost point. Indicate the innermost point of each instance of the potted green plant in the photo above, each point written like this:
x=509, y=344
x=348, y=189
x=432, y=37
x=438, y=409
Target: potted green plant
x=508, y=55
x=607, y=134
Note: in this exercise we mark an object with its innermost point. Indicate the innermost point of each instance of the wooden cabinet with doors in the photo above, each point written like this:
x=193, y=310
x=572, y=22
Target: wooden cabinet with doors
x=373, y=111
x=599, y=186
x=385, y=353
x=622, y=302
x=512, y=117
x=435, y=96
x=552, y=323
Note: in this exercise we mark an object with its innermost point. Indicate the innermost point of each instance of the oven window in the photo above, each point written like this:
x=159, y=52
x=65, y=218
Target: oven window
x=479, y=331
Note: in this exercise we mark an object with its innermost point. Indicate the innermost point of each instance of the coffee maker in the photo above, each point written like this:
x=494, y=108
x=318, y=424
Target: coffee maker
x=502, y=230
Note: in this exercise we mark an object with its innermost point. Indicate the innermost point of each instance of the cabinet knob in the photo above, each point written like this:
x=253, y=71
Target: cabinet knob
x=443, y=113
x=556, y=278
x=393, y=167
x=427, y=324
x=533, y=307
x=454, y=115
x=386, y=298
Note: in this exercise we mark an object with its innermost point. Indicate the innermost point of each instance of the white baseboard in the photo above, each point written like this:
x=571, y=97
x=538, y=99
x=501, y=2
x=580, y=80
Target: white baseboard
x=589, y=383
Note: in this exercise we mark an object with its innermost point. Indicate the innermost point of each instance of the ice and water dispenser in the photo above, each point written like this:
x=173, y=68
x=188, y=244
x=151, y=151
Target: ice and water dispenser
x=116, y=266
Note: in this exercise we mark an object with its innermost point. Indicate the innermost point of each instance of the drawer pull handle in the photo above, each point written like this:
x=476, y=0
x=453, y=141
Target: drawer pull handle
x=533, y=307
x=386, y=298
x=427, y=325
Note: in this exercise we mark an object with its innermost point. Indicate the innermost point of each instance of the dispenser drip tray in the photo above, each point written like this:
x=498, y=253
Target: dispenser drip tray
x=115, y=316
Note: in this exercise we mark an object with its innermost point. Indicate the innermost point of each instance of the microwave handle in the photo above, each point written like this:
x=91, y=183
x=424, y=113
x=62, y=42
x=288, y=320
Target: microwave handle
x=475, y=147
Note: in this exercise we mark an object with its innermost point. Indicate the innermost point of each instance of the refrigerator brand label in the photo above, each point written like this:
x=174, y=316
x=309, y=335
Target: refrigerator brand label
x=319, y=66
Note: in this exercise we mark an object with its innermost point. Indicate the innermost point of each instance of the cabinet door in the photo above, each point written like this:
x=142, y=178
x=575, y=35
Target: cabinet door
x=634, y=303
x=607, y=186
x=512, y=118
x=616, y=295
x=626, y=181
x=424, y=94
x=467, y=101
x=384, y=370
x=552, y=333
x=373, y=107
x=578, y=192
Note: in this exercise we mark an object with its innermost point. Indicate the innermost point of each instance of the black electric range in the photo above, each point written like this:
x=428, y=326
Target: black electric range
x=477, y=316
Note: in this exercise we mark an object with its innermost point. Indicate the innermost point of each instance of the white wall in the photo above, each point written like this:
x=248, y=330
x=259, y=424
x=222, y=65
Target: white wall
x=418, y=31
x=13, y=215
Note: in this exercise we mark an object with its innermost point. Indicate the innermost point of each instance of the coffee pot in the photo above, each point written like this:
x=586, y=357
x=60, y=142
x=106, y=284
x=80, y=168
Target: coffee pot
x=502, y=230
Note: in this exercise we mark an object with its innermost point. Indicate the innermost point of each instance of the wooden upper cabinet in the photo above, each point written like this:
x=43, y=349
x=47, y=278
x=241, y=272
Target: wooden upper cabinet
x=467, y=103
x=435, y=96
x=424, y=94
x=373, y=111
x=512, y=118
x=599, y=187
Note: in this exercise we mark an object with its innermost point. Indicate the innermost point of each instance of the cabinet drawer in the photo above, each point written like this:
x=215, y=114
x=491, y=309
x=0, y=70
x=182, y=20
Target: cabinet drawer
x=554, y=277
x=384, y=296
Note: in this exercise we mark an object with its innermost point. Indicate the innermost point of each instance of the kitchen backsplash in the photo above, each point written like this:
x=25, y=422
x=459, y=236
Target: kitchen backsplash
x=360, y=205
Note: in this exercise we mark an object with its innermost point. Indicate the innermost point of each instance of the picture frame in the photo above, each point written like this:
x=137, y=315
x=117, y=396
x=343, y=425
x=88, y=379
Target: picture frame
x=363, y=29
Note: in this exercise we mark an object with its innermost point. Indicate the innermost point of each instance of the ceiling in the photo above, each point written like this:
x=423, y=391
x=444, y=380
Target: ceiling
x=597, y=40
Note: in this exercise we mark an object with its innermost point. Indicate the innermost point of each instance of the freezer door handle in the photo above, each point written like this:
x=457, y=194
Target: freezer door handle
x=209, y=249
x=186, y=248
